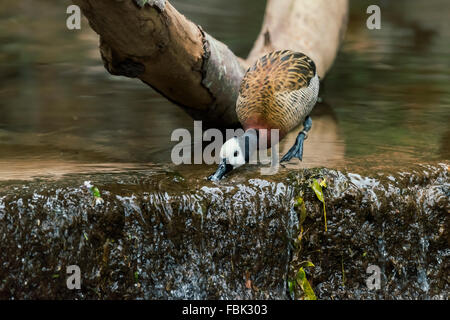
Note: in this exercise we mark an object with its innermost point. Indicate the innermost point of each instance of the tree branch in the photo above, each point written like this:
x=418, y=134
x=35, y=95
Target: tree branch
x=152, y=41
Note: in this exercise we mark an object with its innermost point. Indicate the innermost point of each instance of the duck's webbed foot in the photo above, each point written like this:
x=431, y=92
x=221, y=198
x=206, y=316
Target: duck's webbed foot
x=297, y=149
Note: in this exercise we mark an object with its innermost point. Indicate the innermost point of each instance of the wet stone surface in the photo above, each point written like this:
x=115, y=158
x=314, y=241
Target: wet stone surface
x=161, y=235
x=398, y=222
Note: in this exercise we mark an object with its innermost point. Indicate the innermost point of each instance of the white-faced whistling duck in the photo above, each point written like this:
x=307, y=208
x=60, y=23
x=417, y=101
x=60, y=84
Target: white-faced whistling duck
x=278, y=92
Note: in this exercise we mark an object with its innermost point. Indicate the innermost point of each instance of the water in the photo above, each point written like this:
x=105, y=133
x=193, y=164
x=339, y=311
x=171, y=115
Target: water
x=385, y=102
x=385, y=105
x=390, y=88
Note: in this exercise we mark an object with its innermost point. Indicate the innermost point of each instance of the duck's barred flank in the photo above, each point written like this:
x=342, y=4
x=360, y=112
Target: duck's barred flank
x=278, y=91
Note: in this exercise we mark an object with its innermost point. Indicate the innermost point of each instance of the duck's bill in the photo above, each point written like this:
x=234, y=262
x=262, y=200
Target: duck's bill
x=222, y=170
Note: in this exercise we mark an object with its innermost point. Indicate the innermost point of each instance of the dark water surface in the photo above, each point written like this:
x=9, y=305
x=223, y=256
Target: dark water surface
x=386, y=101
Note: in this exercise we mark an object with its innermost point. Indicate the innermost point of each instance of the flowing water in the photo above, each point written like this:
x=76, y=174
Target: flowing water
x=386, y=101
x=163, y=231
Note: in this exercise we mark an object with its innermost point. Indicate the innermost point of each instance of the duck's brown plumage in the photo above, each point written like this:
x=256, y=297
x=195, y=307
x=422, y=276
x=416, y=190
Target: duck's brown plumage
x=278, y=91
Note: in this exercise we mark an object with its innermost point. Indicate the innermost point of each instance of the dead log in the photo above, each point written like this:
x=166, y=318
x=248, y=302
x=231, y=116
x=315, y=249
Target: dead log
x=152, y=41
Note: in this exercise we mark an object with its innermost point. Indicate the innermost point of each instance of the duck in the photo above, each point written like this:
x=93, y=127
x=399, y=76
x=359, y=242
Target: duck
x=278, y=91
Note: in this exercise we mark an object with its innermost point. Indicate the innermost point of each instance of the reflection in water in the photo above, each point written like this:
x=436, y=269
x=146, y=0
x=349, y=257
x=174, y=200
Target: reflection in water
x=25, y=169
x=386, y=100
x=324, y=145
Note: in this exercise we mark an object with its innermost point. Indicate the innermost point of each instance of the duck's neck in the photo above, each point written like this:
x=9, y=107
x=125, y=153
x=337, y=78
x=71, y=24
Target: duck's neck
x=261, y=134
x=250, y=140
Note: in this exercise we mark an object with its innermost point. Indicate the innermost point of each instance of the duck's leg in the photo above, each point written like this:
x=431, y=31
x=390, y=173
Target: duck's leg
x=297, y=149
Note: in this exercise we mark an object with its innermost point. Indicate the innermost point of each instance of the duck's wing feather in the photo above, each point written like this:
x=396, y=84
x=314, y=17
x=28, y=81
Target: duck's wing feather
x=276, y=88
x=286, y=70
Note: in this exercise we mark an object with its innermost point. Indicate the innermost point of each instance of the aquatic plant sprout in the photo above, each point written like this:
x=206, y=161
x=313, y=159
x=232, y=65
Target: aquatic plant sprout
x=317, y=187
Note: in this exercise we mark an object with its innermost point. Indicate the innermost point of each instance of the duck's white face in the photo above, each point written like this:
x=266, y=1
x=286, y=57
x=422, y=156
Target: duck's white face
x=232, y=152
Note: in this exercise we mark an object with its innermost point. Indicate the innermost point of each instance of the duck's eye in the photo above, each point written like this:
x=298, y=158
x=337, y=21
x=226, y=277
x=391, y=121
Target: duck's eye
x=236, y=154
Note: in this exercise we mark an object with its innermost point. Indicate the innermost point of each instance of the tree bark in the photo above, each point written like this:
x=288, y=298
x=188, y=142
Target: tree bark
x=152, y=41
